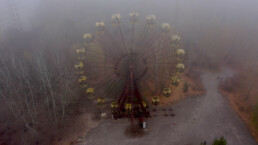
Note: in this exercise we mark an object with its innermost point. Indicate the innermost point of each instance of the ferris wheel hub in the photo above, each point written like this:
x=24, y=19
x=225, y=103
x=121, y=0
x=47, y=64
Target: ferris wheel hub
x=131, y=62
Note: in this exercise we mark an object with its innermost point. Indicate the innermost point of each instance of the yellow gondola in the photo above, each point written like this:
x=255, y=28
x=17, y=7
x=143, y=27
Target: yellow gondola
x=79, y=65
x=116, y=19
x=165, y=28
x=90, y=93
x=151, y=21
x=128, y=107
x=155, y=100
x=144, y=104
x=82, y=81
x=88, y=39
x=81, y=54
x=133, y=17
x=175, y=81
x=80, y=50
x=166, y=92
x=79, y=68
x=101, y=102
x=114, y=105
x=100, y=27
x=180, y=54
x=180, y=68
x=175, y=40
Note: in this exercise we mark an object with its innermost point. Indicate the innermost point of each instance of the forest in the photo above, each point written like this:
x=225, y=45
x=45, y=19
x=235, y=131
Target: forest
x=39, y=94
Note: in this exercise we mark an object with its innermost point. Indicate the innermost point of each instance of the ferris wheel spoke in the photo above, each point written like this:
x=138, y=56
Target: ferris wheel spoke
x=98, y=68
x=162, y=69
x=168, y=35
x=132, y=38
x=163, y=58
x=166, y=42
x=103, y=78
x=99, y=72
x=164, y=53
x=145, y=40
x=113, y=85
x=164, y=75
x=103, y=81
x=155, y=37
x=113, y=89
x=166, y=63
x=150, y=42
x=104, y=91
x=161, y=72
x=162, y=82
x=167, y=54
x=146, y=86
x=115, y=42
x=106, y=48
x=159, y=83
x=104, y=62
x=101, y=54
x=111, y=44
x=151, y=53
x=119, y=90
x=160, y=63
x=107, y=67
x=142, y=37
x=94, y=74
x=160, y=48
x=123, y=39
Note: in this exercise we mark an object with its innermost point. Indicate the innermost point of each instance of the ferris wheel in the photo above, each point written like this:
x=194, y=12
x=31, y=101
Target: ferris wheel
x=129, y=65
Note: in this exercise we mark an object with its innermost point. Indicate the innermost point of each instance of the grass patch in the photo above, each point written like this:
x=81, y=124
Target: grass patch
x=255, y=116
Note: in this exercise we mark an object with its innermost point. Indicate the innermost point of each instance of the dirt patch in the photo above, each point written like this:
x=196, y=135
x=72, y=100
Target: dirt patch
x=74, y=129
x=134, y=131
x=195, y=88
x=241, y=101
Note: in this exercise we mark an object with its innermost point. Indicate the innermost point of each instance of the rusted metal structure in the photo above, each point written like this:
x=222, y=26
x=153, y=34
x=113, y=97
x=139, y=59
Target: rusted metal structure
x=130, y=67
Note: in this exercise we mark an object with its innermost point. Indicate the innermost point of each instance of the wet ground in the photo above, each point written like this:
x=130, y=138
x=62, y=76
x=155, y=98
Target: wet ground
x=196, y=119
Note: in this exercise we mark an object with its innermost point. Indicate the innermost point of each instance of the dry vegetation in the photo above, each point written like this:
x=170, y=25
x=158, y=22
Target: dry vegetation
x=194, y=87
x=38, y=94
x=233, y=43
x=37, y=86
x=242, y=93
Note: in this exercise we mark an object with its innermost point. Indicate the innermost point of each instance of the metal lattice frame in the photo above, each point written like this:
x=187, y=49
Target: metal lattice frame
x=126, y=66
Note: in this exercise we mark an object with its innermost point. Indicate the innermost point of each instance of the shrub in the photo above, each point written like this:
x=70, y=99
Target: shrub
x=255, y=116
x=220, y=141
x=185, y=87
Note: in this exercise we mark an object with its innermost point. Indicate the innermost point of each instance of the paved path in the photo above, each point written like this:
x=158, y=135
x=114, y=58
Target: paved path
x=197, y=119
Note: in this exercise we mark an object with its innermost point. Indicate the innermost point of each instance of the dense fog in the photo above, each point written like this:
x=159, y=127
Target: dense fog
x=227, y=27
x=36, y=60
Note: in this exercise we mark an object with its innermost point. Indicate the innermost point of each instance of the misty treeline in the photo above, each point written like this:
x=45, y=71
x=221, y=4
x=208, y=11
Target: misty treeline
x=37, y=79
x=38, y=82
